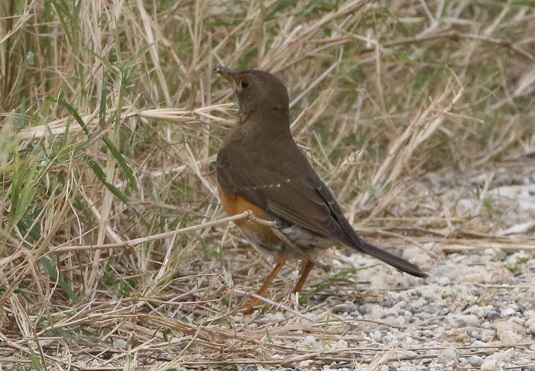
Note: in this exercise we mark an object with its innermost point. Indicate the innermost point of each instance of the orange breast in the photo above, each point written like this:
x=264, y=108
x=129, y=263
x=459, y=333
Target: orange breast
x=236, y=205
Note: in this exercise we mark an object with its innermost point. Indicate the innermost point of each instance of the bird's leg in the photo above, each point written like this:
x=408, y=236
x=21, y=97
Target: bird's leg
x=305, y=270
x=250, y=306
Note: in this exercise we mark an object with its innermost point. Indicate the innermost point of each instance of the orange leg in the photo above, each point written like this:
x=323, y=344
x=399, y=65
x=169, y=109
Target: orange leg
x=250, y=306
x=307, y=267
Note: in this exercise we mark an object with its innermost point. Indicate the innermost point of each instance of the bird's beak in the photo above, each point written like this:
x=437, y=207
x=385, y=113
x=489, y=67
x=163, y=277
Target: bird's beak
x=226, y=72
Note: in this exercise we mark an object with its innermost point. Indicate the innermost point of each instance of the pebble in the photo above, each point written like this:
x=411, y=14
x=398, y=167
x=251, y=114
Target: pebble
x=476, y=361
x=503, y=326
x=487, y=335
x=491, y=364
x=449, y=354
x=461, y=320
x=510, y=355
x=509, y=338
x=508, y=312
x=493, y=316
x=310, y=341
x=480, y=312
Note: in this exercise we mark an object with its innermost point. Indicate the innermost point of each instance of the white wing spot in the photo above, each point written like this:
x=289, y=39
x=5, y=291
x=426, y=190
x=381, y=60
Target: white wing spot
x=272, y=185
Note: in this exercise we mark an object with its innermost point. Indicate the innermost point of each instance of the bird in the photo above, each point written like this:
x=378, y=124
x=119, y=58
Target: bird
x=260, y=168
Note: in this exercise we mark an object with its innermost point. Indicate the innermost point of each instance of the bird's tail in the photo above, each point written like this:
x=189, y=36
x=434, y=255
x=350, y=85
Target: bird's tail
x=387, y=257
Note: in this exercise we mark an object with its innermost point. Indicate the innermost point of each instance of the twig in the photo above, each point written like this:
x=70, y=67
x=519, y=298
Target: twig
x=159, y=236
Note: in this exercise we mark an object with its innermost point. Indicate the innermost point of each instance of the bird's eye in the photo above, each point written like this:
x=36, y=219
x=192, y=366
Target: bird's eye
x=244, y=83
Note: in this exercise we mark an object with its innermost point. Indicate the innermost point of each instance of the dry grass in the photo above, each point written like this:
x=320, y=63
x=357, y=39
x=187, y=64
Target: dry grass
x=110, y=120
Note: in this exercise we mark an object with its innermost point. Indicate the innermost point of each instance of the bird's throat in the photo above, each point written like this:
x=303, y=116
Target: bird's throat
x=265, y=123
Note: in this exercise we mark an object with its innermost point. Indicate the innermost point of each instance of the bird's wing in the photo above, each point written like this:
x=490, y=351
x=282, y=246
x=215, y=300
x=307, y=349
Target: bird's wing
x=288, y=189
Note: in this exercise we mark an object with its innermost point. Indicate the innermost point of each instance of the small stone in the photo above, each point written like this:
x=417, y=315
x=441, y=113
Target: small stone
x=450, y=365
x=476, y=361
x=419, y=303
x=366, y=308
x=510, y=355
x=507, y=326
x=448, y=355
x=531, y=329
x=492, y=316
x=346, y=307
x=474, y=333
x=480, y=312
x=464, y=207
x=461, y=320
x=120, y=344
x=388, y=302
x=274, y=317
x=509, y=338
x=444, y=281
x=487, y=335
x=399, y=321
x=508, y=312
x=310, y=341
x=491, y=364
x=377, y=336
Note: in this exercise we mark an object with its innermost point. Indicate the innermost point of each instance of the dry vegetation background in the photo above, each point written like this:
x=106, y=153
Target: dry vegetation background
x=110, y=119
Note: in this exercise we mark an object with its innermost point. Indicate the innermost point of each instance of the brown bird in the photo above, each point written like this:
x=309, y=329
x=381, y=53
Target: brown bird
x=260, y=168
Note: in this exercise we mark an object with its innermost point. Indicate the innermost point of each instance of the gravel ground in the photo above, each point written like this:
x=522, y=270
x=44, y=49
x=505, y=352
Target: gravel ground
x=471, y=314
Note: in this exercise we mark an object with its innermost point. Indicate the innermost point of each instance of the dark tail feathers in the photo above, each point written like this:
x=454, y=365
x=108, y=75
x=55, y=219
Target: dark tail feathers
x=388, y=258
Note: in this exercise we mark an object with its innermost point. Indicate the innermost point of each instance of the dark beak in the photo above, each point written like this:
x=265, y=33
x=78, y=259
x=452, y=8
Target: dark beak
x=225, y=72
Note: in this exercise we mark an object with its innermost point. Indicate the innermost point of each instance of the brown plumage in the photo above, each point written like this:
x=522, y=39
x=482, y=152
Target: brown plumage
x=260, y=168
